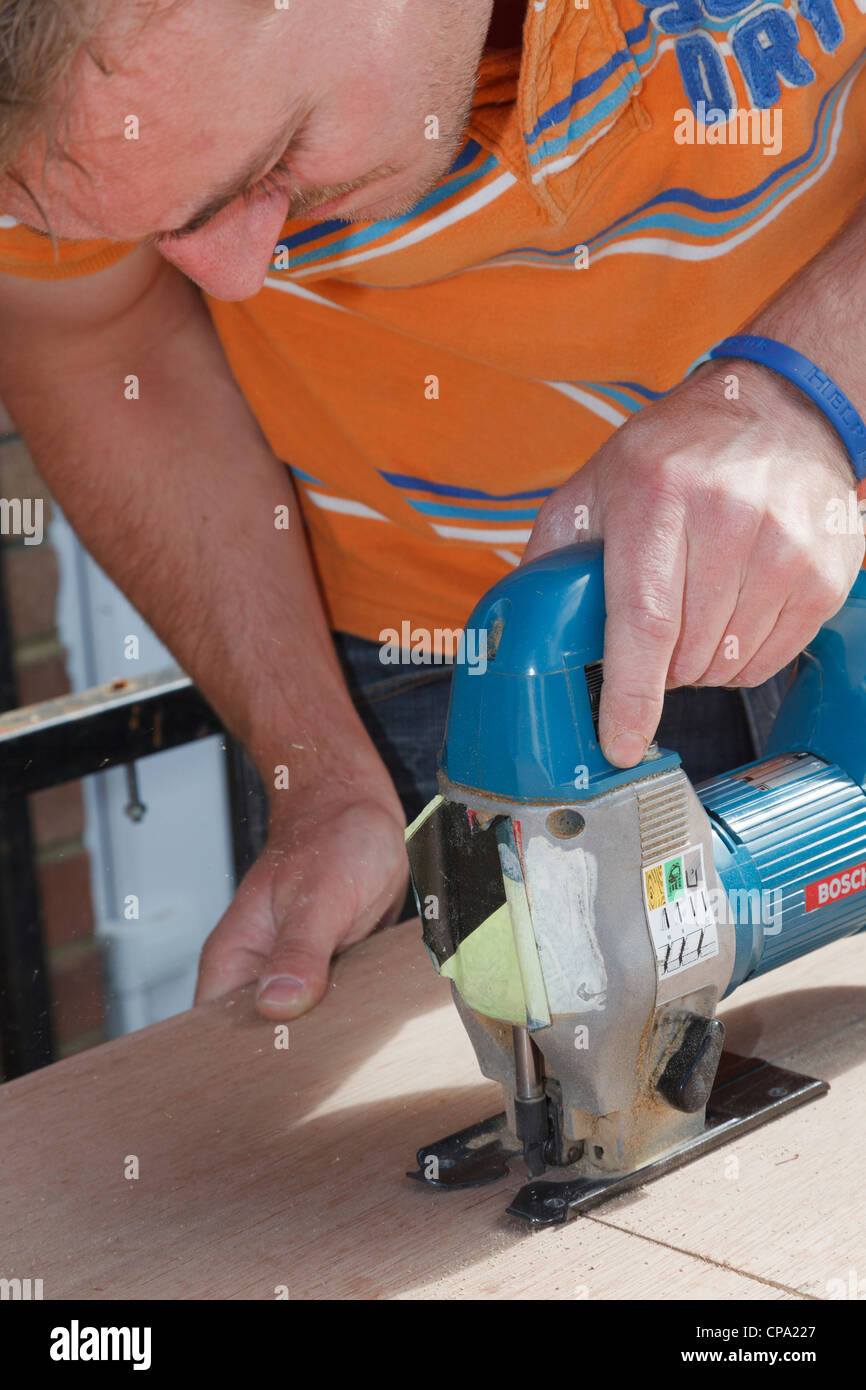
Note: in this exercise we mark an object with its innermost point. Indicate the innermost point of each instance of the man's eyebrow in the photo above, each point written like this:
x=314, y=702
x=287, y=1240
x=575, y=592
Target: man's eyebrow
x=221, y=198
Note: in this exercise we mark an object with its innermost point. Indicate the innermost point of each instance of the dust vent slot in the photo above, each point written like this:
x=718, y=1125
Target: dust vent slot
x=594, y=675
x=664, y=820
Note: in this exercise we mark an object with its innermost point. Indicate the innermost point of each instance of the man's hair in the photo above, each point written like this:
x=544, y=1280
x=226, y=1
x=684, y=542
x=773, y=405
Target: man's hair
x=39, y=41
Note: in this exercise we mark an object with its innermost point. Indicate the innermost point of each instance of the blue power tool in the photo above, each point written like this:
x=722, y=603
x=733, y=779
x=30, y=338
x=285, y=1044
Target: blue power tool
x=590, y=919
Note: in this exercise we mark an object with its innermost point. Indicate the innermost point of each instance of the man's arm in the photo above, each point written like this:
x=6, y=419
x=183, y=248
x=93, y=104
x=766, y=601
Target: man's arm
x=176, y=495
x=719, y=509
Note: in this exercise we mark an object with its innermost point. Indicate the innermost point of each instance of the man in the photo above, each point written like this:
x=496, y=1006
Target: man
x=458, y=259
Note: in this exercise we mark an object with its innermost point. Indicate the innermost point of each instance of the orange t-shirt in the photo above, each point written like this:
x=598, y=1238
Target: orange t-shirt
x=431, y=379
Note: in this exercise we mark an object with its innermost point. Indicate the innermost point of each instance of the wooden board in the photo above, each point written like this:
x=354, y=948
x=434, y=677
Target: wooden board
x=261, y=1167
x=788, y=1202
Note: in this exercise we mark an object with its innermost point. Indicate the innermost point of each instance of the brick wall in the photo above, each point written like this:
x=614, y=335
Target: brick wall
x=57, y=814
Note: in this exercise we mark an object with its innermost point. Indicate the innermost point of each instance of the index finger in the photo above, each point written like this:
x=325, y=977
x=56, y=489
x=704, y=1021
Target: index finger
x=644, y=584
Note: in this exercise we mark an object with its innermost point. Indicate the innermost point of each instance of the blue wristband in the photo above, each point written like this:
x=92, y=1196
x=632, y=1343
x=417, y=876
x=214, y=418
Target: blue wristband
x=817, y=385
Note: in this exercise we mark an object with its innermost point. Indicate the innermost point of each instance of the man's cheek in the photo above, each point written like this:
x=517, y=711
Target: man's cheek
x=352, y=153
x=372, y=122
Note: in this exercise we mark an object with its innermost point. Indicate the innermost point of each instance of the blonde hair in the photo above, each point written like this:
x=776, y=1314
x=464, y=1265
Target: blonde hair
x=39, y=41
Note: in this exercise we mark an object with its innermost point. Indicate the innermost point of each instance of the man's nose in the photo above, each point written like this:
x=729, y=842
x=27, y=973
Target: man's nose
x=230, y=256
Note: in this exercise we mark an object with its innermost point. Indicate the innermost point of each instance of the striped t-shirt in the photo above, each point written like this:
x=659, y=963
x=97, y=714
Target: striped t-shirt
x=432, y=378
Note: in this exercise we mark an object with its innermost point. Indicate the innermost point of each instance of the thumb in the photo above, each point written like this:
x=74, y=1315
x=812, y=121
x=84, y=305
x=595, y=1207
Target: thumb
x=289, y=957
x=295, y=976
x=237, y=949
x=354, y=879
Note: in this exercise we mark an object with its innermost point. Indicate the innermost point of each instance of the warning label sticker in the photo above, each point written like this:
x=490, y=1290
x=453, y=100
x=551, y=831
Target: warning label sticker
x=681, y=921
x=655, y=887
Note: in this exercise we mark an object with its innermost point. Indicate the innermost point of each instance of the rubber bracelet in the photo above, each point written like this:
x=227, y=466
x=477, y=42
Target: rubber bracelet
x=816, y=384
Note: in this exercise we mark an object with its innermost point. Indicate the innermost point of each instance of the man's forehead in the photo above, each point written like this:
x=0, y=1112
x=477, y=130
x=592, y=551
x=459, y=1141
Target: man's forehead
x=152, y=145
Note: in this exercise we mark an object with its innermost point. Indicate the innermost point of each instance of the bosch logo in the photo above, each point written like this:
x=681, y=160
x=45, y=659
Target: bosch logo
x=826, y=890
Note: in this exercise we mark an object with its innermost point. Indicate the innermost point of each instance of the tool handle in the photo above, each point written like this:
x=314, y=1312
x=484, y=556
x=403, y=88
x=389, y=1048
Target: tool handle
x=522, y=721
x=547, y=614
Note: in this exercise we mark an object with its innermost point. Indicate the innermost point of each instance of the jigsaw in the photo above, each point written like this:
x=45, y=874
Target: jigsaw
x=590, y=919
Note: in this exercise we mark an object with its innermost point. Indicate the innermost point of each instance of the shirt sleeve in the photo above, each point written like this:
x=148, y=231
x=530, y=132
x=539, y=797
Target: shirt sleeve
x=35, y=257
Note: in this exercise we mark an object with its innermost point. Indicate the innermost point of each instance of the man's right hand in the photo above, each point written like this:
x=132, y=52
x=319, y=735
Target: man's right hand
x=333, y=869
x=175, y=495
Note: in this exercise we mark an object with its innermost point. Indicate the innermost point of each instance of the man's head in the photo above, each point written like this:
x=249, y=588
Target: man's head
x=206, y=123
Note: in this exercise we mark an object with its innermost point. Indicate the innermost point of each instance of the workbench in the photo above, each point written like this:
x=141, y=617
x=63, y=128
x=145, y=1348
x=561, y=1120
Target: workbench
x=268, y=1171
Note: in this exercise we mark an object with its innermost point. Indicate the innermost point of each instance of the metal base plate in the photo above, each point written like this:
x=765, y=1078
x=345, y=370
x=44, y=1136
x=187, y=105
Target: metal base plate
x=748, y=1092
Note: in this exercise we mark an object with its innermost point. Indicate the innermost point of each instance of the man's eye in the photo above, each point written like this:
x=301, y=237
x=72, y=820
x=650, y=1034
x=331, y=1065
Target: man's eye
x=274, y=181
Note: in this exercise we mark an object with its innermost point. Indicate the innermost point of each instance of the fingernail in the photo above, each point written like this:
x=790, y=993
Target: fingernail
x=281, y=989
x=627, y=749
